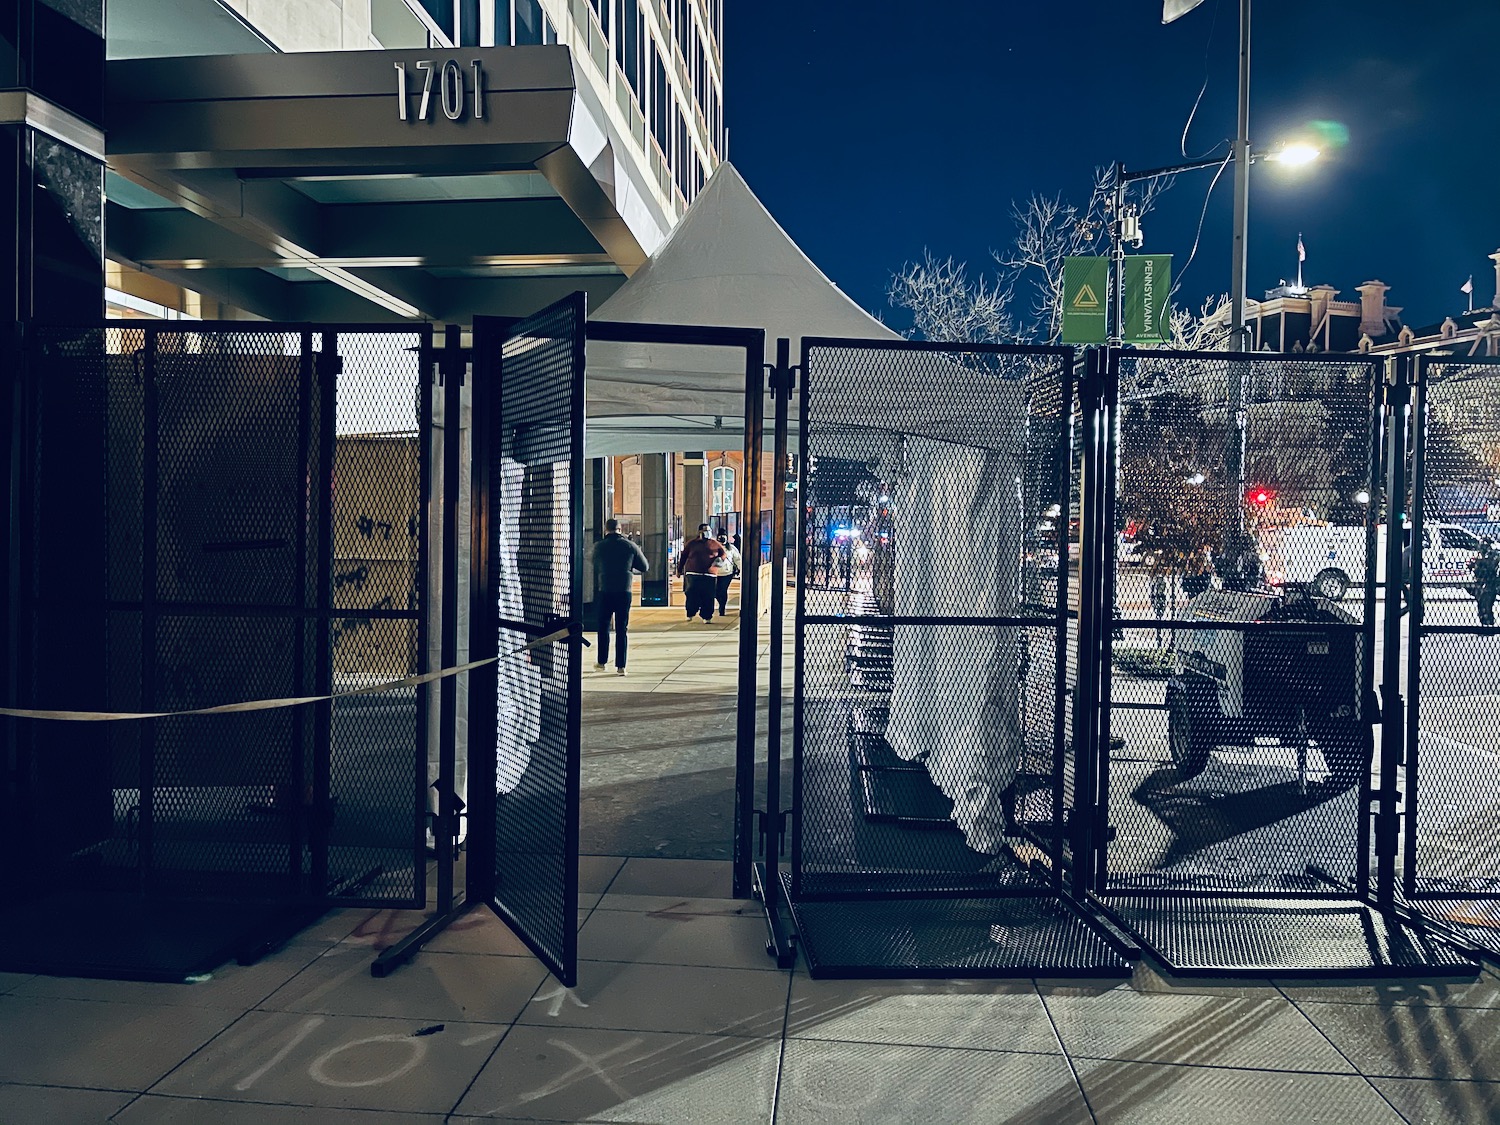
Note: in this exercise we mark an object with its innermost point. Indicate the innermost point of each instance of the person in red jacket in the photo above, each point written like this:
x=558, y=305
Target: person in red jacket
x=696, y=565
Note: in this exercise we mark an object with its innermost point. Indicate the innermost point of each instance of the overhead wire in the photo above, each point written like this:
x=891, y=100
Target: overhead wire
x=1208, y=45
x=1203, y=214
x=1182, y=147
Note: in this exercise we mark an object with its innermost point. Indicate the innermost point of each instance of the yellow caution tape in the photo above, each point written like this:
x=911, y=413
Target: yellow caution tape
x=274, y=704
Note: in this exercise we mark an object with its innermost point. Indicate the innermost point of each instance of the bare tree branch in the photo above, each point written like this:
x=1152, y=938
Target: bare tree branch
x=1024, y=301
x=945, y=305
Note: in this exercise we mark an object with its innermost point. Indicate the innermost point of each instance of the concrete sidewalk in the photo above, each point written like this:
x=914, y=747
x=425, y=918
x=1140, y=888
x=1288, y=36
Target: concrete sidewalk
x=679, y=1016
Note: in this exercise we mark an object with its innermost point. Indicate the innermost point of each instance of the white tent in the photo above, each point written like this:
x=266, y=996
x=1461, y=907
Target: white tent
x=729, y=264
x=726, y=264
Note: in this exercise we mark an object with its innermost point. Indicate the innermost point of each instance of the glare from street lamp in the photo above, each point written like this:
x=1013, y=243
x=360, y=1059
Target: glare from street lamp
x=1294, y=156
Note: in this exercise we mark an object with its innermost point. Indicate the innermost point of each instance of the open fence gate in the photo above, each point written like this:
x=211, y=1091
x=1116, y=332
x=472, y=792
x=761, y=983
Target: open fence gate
x=1236, y=724
x=1450, y=871
x=213, y=513
x=527, y=592
x=932, y=765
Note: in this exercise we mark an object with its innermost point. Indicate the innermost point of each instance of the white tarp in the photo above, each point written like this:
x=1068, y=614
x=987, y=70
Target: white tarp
x=727, y=264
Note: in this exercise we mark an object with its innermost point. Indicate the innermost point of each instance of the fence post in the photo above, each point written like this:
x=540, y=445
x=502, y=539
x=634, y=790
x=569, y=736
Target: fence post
x=1397, y=584
x=1086, y=810
x=751, y=562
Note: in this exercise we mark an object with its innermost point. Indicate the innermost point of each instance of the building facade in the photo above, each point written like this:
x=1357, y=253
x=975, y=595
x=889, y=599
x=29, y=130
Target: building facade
x=1310, y=319
x=348, y=159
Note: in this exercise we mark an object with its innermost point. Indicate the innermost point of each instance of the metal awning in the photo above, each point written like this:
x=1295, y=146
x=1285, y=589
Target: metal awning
x=290, y=185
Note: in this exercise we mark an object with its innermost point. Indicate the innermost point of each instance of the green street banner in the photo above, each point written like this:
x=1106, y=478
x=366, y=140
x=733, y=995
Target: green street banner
x=1148, y=316
x=1085, y=300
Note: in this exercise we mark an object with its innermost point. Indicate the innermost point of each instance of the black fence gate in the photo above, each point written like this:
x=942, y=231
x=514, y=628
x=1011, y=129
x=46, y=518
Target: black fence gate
x=1239, y=638
x=931, y=741
x=210, y=514
x=526, y=707
x=1450, y=848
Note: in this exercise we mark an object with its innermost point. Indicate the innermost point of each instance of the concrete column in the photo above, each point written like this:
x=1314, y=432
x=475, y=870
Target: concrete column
x=694, y=492
x=596, y=473
x=1320, y=297
x=52, y=237
x=1495, y=257
x=51, y=183
x=656, y=526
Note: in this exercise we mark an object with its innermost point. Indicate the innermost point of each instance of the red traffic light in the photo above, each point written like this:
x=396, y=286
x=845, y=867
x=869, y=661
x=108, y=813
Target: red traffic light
x=1260, y=497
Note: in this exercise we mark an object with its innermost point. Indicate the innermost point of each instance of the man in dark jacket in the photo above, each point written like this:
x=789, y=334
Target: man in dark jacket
x=617, y=561
x=1486, y=568
x=696, y=565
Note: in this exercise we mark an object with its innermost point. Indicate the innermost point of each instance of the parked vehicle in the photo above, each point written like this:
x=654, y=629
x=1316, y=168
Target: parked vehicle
x=1329, y=559
x=1129, y=552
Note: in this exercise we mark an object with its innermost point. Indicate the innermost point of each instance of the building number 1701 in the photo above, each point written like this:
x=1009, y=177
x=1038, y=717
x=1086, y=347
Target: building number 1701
x=451, y=90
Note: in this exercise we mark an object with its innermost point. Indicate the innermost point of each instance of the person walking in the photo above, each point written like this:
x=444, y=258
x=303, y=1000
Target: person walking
x=1486, y=566
x=726, y=570
x=616, y=561
x=696, y=565
x=1159, y=601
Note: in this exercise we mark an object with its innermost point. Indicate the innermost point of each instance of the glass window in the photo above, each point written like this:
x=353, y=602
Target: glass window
x=723, y=480
x=659, y=95
x=528, y=23
x=1453, y=537
x=632, y=30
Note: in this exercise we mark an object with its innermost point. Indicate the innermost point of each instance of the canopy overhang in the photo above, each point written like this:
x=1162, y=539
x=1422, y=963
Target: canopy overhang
x=727, y=264
x=304, y=187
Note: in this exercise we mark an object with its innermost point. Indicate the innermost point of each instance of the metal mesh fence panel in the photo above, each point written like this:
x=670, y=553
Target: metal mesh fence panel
x=231, y=442
x=932, y=656
x=1243, y=591
x=1453, y=690
x=180, y=554
x=535, y=481
x=377, y=613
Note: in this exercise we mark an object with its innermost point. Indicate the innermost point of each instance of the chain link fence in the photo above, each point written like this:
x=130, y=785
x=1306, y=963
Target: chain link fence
x=1450, y=862
x=214, y=514
x=931, y=689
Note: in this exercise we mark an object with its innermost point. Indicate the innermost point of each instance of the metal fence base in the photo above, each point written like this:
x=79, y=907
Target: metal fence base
x=135, y=937
x=1471, y=923
x=767, y=888
x=1022, y=936
x=1283, y=938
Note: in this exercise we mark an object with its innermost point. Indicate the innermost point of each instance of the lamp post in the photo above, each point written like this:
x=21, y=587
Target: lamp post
x=1239, y=334
x=1126, y=228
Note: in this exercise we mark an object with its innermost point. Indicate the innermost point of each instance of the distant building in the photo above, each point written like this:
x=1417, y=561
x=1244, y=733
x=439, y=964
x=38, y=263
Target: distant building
x=1312, y=319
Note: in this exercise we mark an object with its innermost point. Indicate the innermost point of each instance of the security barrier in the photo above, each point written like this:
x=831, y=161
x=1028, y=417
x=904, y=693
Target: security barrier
x=931, y=751
x=1185, y=747
x=1096, y=654
x=1450, y=680
x=209, y=513
x=1237, y=715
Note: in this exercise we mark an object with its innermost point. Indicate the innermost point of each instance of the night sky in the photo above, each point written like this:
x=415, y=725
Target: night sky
x=874, y=129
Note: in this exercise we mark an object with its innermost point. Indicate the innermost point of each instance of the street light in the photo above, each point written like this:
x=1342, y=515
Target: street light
x=1126, y=228
x=1294, y=156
